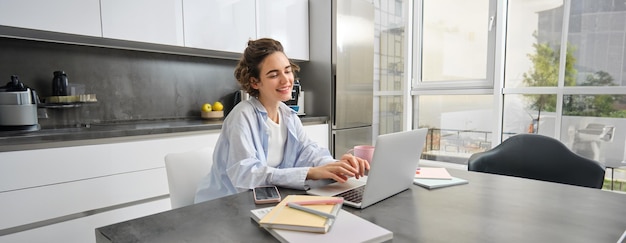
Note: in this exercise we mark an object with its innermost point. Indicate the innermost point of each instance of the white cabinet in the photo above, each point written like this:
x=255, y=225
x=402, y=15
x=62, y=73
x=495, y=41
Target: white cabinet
x=228, y=25
x=91, y=184
x=152, y=21
x=318, y=133
x=215, y=25
x=219, y=25
x=70, y=191
x=81, y=17
x=288, y=22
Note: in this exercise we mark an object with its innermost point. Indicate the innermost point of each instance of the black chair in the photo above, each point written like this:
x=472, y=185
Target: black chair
x=538, y=157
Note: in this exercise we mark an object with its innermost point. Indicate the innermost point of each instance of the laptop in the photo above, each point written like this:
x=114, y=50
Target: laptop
x=391, y=171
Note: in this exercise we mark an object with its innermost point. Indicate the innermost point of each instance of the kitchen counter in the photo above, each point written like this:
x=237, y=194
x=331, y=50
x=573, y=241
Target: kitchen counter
x=95, y=133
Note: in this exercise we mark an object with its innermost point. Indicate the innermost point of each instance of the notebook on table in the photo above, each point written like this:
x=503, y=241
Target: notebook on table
x=392, y=170
x=347, y=228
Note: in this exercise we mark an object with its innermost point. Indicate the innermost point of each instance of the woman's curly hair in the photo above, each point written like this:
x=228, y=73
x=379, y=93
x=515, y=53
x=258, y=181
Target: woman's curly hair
x=248, y=66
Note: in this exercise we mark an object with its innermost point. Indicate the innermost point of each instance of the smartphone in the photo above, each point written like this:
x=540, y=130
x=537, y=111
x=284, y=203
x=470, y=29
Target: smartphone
x=266, y=194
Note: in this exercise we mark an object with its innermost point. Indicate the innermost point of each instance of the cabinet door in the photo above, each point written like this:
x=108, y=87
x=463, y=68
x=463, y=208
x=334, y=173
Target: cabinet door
x=318, y=133
x=288, y=22
x=152, y=21
x=81, y=17
x=219, y=25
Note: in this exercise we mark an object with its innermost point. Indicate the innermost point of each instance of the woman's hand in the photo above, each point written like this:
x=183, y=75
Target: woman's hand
x=357, y=163
x=341, y=170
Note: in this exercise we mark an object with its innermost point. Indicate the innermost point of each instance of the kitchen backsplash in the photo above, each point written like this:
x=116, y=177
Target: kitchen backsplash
x=129, y=85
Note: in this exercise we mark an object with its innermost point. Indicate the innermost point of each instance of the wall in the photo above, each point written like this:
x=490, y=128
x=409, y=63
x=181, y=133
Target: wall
x=129, y=85
x=316, y=74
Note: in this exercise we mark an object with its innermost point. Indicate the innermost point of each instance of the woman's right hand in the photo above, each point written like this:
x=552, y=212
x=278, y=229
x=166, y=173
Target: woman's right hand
x=338, y=171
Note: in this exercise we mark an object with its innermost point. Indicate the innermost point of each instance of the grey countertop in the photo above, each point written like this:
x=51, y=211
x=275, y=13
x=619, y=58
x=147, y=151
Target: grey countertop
x=90, y=134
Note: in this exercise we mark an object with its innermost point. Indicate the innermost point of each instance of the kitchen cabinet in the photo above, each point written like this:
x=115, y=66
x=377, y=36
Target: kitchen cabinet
x=228, y=25
x=288, y=22
x=214, y=28
x=72, y=190
x=152, y=21
x=81, y=17
x=219, y=25
x=318, y=133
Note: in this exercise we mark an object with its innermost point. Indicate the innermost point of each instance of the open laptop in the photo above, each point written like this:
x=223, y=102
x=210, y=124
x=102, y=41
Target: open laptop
x=391, y=171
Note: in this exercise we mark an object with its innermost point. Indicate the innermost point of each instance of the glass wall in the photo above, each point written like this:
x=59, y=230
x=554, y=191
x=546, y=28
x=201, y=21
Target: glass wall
x=454, y=47
x=533, y=54
x=529, y=113
x=596, y=39
x=478, y=72
x=576, y=96
x=565, y=67
x=457, y=128
x=389, y=66
x=453, y=85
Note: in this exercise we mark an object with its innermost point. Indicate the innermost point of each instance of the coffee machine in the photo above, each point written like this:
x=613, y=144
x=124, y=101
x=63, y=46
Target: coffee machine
x=297, y=98
x=18, y=107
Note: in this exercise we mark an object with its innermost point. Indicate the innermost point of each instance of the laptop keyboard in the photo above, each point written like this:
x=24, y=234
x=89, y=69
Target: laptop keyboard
x=353, y=195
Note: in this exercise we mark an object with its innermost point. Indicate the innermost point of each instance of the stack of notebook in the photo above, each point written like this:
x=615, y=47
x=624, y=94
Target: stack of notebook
x=433, y=177
x=334, y=224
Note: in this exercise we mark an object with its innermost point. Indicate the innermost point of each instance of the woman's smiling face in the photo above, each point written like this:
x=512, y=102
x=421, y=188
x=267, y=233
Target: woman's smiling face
x=276, y=79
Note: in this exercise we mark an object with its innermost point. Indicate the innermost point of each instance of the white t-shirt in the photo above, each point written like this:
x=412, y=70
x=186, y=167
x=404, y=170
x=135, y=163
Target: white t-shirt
x=276, y=141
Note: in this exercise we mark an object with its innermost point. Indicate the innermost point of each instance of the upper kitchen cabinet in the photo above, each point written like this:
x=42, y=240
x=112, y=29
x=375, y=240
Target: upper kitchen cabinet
x=151, y=21
x=288, y=22
x=219, y=25
x=81, y=17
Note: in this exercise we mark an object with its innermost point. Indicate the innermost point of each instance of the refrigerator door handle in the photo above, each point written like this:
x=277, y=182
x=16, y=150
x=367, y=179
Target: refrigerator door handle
x=333, y=102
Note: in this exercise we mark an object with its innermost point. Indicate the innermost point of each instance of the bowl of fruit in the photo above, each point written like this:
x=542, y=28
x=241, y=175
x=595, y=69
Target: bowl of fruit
x=212, y=111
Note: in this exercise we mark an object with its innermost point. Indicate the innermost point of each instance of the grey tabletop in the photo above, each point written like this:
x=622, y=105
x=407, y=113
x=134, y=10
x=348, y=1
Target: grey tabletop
x=491, y=208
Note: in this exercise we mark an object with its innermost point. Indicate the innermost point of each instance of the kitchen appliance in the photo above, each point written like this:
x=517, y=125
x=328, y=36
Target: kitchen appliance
x=60, y=84
x=238, y=96
x=297, y=98
x=241, y=95
x=352, y=52
x=18, y=107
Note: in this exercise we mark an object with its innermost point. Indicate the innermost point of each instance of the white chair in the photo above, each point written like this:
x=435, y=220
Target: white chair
x=184, y=172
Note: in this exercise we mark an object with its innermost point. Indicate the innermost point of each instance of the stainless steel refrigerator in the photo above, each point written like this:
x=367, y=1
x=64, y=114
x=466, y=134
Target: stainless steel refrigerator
x=353, y=74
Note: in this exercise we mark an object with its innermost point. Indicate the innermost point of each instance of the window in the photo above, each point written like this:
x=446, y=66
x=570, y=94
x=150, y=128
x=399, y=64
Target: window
x=565, y=68
x=456, y=128
x=390, y=79
x=456, y=43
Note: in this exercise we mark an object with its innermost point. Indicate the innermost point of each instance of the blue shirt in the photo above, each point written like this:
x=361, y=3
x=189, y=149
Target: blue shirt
x=240, y=156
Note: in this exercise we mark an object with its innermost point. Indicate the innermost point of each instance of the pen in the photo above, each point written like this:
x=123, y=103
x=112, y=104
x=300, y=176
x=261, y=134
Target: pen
x=309, y=210
x=319, y=202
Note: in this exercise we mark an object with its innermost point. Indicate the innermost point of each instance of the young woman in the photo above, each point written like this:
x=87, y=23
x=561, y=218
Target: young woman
x=262, y=140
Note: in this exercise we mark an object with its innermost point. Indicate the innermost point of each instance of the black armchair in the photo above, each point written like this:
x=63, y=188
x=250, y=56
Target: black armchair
x=538, y=157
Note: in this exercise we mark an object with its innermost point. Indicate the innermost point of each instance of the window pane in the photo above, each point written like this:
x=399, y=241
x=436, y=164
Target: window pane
x=455, y=40
x=531, y=113
x=593, y=126
x=596, y=38
x=391, y=60
x=390, y=114
x=457, y=128
x=533, y=43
